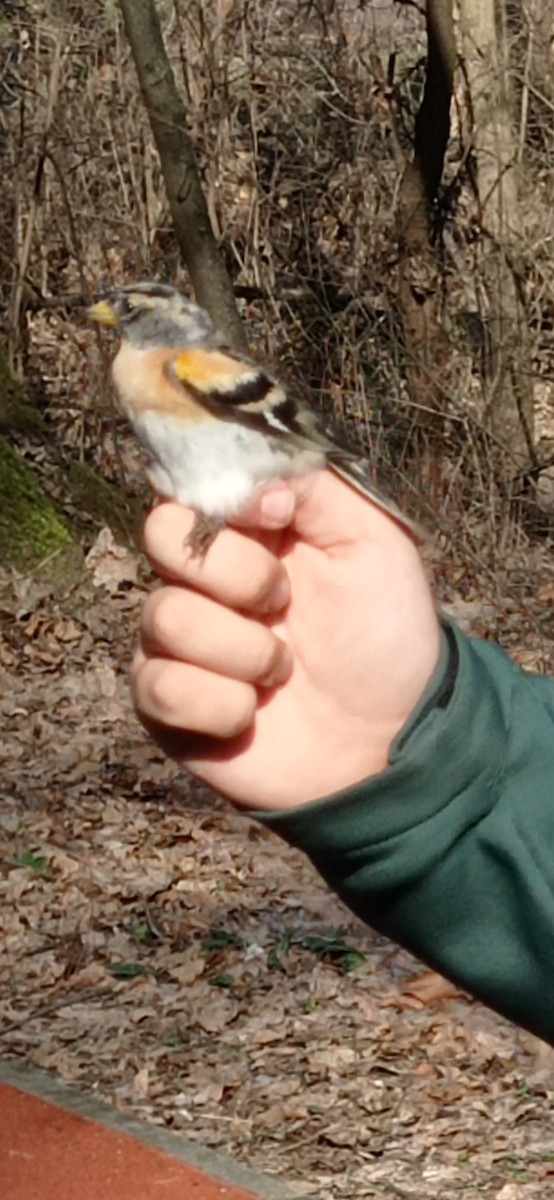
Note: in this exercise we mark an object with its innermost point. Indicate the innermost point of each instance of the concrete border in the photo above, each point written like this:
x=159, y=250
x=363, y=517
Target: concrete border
x=217, y=1165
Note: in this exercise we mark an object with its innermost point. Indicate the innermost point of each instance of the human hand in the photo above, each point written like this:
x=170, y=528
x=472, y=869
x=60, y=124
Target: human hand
x=281, y=667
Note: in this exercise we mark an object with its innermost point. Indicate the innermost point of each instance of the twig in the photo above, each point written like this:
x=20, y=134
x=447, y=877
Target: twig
x=61, y=49
x=45, y=1010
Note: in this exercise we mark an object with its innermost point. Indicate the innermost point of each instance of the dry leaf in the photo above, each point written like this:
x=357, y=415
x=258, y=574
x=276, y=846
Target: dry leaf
x=430, y=987
x=141, y=1083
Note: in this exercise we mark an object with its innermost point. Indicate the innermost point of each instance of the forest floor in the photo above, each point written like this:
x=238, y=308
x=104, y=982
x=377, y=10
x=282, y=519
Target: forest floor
x=171, y=957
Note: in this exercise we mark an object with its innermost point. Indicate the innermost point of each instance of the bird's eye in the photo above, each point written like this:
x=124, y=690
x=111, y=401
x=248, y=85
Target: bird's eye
x=133, y=307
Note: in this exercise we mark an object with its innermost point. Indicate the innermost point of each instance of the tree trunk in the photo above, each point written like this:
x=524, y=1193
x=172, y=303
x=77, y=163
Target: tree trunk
x=509, y=397
x=419, y=272
x=168, y=120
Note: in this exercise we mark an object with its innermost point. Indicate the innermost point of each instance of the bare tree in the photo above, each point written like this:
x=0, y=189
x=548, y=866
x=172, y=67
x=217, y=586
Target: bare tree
x=493, y=145
x=288, y=109
x=168, y=120
x=419, y=272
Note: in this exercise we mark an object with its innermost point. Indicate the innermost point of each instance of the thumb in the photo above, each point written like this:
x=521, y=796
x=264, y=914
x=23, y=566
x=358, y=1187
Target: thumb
x=320, y=508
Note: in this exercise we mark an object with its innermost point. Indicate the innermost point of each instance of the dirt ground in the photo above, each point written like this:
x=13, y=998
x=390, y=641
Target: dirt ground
x=173, y=958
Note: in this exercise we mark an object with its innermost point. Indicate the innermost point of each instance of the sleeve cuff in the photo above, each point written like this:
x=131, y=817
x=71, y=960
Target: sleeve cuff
x=453, y=745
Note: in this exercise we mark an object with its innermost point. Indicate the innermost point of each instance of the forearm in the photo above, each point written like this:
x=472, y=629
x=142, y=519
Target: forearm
x=450, y=851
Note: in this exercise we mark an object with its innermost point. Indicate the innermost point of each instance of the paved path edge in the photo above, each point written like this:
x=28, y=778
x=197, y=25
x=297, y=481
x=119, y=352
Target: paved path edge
x=220, y=1166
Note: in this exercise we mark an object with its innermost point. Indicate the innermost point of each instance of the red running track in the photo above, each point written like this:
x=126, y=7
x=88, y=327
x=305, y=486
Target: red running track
x=49, y=1153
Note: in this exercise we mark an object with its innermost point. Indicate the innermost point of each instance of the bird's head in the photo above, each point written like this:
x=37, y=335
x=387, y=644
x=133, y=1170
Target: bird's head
x=153, y=315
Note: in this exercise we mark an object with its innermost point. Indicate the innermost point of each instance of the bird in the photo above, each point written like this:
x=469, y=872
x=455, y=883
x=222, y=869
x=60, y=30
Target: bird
x=214, y=423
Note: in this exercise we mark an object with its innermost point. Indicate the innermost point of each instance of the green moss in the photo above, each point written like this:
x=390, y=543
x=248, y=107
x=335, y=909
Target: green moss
x=102, y=500
x=15, y=411
x=7, y=35
x=33, y=535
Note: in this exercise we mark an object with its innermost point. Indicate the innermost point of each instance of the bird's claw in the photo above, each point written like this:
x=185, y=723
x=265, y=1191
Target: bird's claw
x=202, y=535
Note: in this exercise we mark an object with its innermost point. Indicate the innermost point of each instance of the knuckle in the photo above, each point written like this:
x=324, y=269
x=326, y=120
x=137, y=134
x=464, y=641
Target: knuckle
x=161, y=615
x=155, y=527
x=163, y=527
x=155, y=693
x=165, y=693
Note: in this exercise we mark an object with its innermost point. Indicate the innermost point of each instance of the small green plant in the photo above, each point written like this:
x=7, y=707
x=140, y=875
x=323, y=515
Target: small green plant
x=37, y=862
x=277, y=953
x=174, y=1042
x=220, y=939
x=221, y=981
x=143, y=933
x=127, y=970
x=331, y=948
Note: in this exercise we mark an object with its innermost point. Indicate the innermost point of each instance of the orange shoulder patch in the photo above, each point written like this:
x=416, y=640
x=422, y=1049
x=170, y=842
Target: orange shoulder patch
x=209, y=370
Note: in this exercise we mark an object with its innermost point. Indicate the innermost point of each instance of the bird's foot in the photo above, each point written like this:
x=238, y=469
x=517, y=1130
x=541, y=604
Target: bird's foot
x=203, y=533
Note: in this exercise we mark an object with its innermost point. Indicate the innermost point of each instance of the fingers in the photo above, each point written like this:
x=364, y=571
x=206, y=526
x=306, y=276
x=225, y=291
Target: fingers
x=239, y=570
x=179, y=696
x=195, y=630
x=201, y=662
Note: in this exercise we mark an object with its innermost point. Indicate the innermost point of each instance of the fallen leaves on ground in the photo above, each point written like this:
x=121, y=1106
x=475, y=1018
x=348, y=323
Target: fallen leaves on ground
x=171, y=957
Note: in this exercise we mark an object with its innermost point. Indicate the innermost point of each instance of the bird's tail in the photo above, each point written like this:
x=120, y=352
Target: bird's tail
x=356, y=472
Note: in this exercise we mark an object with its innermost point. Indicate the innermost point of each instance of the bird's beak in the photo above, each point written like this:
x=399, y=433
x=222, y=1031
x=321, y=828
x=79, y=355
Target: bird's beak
x=104, y=314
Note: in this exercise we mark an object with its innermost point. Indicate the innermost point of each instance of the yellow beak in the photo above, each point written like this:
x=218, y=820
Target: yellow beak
x=104, y=314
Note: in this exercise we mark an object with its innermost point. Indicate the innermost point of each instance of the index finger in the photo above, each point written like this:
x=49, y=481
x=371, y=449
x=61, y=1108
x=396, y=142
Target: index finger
x=239, y=570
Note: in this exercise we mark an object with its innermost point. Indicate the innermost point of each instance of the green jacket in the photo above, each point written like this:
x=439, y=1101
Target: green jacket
x=450, y=851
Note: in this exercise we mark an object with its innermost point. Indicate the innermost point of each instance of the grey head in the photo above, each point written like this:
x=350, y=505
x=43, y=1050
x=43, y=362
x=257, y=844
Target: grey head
x=152, y=315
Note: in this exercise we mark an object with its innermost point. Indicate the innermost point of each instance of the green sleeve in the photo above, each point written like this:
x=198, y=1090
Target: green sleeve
x=450, y=851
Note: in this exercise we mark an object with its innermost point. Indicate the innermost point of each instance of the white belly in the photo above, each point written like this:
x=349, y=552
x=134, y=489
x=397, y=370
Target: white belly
x=214, y=467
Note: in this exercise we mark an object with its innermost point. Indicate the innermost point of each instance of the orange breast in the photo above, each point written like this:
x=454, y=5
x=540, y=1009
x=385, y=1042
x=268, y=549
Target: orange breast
x=143, y=385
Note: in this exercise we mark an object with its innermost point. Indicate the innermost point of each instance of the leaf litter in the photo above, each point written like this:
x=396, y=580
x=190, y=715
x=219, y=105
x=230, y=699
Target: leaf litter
x=173, y=958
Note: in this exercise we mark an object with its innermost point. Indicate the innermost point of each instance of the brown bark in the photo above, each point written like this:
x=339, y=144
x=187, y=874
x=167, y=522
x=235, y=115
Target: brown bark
x=418, y=270
x=168, y=120
x=509, y=395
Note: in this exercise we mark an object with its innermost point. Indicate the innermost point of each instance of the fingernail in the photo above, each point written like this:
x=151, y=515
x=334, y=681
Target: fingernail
x=280, y=595
x=277, y=598
x=277, y=508
x=282, y=669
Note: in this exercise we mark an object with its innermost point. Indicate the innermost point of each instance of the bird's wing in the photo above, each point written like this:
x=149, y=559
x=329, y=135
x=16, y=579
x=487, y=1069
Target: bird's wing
x=235, y=388
x=356, y=472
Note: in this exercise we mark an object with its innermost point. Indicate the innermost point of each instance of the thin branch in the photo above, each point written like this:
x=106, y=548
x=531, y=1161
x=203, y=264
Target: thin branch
x=61, y=49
